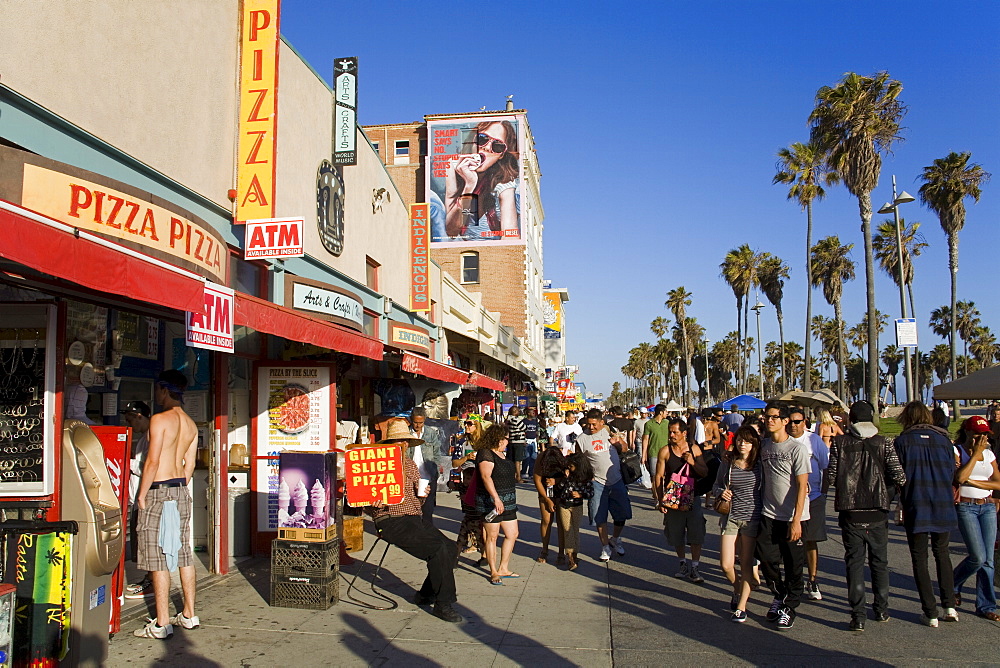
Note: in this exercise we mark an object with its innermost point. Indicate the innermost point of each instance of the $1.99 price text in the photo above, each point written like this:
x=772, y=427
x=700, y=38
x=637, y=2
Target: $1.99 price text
x=374, y=474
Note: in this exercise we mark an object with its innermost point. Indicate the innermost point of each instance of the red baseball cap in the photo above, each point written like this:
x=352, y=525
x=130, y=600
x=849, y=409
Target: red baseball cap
x=976, y=424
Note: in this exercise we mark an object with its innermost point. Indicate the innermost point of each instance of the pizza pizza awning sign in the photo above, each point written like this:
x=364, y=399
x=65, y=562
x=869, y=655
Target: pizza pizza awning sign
x=374, y=473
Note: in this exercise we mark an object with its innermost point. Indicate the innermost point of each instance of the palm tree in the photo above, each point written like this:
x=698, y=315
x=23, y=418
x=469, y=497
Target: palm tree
x=940, y=359
x=726, y=355
x=856, y=121
x=805, y=168
x=659, y=327
x=984, y=346
x=891, y=357
x=884, y=245
x=859, y=333
x=966, y=322
x=832, y=266
x=738, y=269
x=772, y=274
x=678, y=300
x=947, y=183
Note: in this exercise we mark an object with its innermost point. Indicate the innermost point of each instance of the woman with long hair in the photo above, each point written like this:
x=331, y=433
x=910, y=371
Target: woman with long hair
x=826, y=426
x=739, y=481
x=576, y=486
x=496, y=500
x=481, y=186
x=977, y=515
x=549, y=468
x=463, y=462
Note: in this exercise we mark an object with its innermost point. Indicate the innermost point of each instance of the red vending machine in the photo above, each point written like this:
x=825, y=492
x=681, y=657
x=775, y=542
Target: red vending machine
x=117, y=442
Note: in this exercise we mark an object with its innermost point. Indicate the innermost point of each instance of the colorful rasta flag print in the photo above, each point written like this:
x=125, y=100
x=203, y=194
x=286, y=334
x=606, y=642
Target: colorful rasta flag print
x=40, y=566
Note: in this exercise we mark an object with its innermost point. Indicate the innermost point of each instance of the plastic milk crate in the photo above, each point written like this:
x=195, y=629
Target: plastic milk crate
x=306, y=559
x=305, y=592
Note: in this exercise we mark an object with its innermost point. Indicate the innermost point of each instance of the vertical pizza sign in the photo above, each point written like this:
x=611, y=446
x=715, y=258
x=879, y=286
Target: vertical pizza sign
x=258, y=110
x=293, y=413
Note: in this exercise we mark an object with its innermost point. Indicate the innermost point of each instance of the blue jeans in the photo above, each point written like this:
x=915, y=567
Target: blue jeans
x=978, y=524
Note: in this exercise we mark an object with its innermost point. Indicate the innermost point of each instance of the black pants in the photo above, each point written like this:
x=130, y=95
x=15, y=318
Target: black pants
x=430, y=504
x=945, y=576
x=410, y=534
x=873, y=538
x=774, y=550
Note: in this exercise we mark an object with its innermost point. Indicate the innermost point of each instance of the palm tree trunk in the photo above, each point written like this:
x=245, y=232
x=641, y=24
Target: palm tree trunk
x=865, y=205
x=953, y=265
x=840, y=351
x=746, y=349
x=807, y=374
x=739, y=345
x=781, y=338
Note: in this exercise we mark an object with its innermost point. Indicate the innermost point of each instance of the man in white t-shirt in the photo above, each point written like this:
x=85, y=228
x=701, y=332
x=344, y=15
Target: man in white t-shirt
x=786, y=466
x=610, y=493
x=565, y=433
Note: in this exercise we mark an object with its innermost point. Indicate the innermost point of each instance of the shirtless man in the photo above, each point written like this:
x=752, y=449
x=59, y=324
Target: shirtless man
x=173, y=443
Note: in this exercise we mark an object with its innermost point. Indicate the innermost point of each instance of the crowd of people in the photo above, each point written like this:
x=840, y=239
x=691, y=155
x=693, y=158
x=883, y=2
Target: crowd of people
x=767, y=476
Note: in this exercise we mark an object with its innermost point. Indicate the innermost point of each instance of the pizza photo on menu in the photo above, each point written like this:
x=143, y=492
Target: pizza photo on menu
x=288, y=408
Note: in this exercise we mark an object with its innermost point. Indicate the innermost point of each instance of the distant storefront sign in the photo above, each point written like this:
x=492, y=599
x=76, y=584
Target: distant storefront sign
x=409, y=337
x=328, y=301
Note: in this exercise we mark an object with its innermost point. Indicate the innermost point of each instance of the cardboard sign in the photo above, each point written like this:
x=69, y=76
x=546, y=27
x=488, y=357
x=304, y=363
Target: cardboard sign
x=374, y=473
x=273, y=238
x=214, y=328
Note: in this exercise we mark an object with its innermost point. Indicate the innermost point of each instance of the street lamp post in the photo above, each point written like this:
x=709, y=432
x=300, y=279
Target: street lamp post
x=708, y=380
x=760, y=360
x=893, y=206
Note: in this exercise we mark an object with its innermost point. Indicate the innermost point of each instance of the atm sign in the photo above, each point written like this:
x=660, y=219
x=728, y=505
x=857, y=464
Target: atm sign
x=273, y=238
x=212, y=329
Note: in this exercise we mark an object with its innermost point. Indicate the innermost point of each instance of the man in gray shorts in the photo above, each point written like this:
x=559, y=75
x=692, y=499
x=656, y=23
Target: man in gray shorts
x=681, y=527
x=165, y=503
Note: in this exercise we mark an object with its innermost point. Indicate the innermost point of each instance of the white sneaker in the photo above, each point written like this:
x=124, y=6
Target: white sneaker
x=683, y=572
x=929, y=621
x=151, y=630
x=950, y=615
x=617, y=544
x=813, y=589
x=181, y=620
x=605, y=553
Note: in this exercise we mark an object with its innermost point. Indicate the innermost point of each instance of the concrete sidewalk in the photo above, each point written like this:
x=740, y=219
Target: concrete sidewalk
x=628, y=612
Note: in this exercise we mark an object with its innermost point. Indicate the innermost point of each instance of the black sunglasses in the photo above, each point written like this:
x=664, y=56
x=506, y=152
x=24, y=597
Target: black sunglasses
x=796, y=421
x=495, y=145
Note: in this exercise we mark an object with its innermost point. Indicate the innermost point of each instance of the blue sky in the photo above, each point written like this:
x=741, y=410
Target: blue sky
x=656, y=126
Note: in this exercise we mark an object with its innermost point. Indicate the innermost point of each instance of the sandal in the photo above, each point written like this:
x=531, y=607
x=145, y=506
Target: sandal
x=572, y=564
x=496, y=580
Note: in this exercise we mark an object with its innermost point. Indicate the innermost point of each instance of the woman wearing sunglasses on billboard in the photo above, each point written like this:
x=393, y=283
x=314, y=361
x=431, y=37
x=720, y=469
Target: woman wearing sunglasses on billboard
x=481, y=200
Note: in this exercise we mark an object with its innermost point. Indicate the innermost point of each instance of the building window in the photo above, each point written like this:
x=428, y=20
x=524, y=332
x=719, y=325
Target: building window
x=423, y=147
x=401, y=155
x=470, y=267
x=375, y=146
x=370, y=323
x=371, y=273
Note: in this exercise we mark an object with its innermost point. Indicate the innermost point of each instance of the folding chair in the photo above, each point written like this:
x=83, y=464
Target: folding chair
x=374, y=593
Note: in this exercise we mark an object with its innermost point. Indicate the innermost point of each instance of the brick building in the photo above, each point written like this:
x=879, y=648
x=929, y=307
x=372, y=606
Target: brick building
x=498, y=254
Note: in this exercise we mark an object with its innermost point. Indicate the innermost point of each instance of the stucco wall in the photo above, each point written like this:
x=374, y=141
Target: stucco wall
x=158, y=80
x=305, y=125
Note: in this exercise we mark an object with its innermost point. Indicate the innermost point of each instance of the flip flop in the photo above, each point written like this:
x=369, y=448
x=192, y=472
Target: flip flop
x=496, y=582
x=512, y=576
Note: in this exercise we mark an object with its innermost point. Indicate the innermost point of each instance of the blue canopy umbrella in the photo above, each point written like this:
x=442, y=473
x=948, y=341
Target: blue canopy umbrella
x=744, y=402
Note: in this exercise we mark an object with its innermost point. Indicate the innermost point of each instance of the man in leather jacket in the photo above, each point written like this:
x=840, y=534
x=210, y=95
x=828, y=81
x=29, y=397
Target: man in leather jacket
x=862, y=467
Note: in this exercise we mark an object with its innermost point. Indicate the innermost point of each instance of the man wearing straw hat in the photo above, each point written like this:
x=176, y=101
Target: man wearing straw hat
x=402, y=525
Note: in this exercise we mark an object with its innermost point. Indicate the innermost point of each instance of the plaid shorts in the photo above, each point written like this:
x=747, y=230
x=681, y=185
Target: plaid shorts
x=151, y=557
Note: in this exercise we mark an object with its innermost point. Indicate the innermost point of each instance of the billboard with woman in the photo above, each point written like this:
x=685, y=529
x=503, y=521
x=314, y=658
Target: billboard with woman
x=474, y=176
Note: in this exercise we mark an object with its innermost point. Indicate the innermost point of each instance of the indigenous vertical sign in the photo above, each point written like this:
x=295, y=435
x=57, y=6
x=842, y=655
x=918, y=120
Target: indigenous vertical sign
x=420, y=293
x=474, y=177
x=345, y=111
x=212, y=329
x=258, y=110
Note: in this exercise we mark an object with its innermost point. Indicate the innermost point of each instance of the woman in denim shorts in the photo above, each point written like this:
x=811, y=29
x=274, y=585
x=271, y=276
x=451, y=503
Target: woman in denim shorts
x=739, y=481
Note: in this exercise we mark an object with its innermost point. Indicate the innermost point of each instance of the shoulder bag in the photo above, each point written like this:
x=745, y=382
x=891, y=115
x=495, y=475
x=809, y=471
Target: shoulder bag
x=679, y=491
x=723, y=506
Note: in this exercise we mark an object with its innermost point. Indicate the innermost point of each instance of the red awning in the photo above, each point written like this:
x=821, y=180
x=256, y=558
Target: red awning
x=436, y=370
x=486, y=382
x=86, y=259
x=288, y=323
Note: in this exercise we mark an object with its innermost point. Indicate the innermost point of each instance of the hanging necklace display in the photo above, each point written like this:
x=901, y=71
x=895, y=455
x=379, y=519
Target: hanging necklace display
x=15, y=351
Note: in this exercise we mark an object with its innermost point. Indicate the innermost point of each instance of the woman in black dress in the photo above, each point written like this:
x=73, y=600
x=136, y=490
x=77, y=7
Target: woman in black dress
x=496, y=500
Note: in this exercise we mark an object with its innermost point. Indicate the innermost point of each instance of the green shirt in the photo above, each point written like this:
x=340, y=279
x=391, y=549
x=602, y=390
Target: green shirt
x=659, y=435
